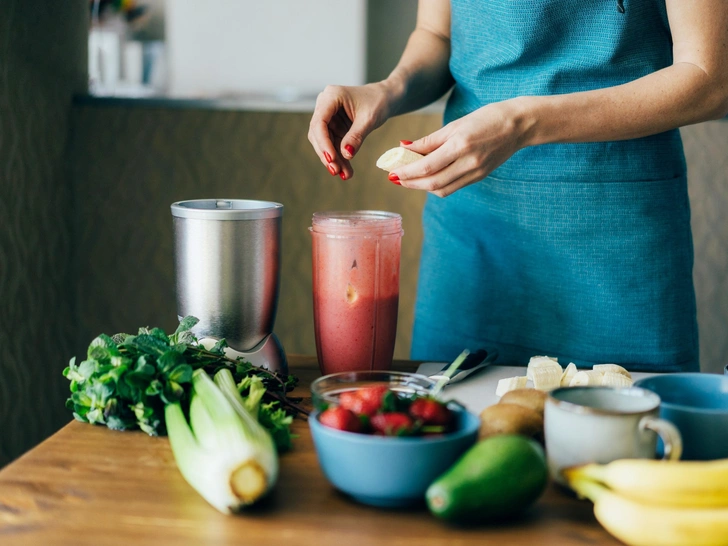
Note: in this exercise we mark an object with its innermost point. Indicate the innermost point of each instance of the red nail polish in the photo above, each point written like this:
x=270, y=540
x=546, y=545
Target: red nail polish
x=394, y=179
x=328, y=157
x=331, y=169
x=405, y=142
x=342, y=174
x=349, y=148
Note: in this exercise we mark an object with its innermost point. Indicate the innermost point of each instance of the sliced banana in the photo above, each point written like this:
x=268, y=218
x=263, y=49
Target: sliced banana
x=397, y=157
x=546, y=378
x=612, y=368
x=611, y=379
x=586, y=378
x=569, y=373
x=541, y=362
x=510, y=384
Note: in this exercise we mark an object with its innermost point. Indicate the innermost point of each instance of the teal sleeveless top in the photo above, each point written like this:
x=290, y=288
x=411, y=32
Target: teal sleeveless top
x=577, y=251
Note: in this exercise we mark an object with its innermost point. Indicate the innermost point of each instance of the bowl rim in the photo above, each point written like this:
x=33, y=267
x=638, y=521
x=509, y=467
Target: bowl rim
x=394, y=373
x=430, y=383
x=358, y=437
x=683, y=407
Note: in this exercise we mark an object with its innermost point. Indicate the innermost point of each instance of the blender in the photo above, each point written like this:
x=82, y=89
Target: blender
x=227, y=256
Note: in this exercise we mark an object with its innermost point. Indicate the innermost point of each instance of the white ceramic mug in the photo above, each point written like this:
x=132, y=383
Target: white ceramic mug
x=602, y=424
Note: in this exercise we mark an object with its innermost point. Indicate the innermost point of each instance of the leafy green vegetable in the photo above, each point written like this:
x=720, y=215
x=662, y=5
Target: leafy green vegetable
x=127, y=380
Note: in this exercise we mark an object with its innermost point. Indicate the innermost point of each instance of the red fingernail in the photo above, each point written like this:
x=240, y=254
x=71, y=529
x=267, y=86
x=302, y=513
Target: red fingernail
x=405, y=142
x=394, y=179
x=349, y=148
x=342, y=174
x=331, y=169
x=328, y=157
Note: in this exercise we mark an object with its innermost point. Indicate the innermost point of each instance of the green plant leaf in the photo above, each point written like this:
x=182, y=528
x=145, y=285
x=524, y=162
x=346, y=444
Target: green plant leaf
x=181, y=374
x=169, y=360
x=159, y=334
x=219, y=347
x=172, y=392
x=186, y=324
x=149, y=344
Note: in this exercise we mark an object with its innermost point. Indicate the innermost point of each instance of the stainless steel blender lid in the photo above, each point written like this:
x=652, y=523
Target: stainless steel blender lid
x=226, y=209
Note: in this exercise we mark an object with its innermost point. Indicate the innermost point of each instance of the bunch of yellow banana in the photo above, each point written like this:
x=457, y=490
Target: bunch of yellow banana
x=658, y=503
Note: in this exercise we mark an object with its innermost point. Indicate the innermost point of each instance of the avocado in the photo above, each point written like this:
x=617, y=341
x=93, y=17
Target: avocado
x=495, y=479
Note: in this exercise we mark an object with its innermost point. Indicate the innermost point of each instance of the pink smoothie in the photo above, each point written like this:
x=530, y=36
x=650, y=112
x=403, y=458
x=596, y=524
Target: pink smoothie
x=355, y=296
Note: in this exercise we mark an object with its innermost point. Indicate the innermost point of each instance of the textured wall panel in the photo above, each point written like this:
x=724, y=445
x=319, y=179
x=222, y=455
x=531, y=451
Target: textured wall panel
x=706, y=148
x=130, y=164
x=42, y=63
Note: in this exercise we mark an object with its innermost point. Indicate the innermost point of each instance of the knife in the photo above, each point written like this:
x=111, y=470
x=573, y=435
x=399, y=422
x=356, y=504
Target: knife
x=472, y=363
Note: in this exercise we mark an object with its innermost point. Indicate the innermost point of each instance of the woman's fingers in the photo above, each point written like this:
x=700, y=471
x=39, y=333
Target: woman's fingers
x=431, y=142
x=361, y=126
x=343, y=167
x=437, y=180
x=318, y=130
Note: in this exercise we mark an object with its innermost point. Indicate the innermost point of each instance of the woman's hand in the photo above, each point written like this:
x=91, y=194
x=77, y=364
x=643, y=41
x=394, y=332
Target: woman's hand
x=464, y=151
x=343, y=118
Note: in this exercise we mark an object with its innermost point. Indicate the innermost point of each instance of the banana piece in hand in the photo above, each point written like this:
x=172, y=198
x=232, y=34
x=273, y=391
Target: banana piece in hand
x=397, y=157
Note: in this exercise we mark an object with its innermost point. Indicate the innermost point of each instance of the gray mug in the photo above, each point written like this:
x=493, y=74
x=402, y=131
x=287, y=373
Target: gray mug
x=601, y=424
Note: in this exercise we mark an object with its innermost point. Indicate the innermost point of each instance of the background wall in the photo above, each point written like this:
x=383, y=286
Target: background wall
x=389, y=24
x=706, y=149
x=42, y=64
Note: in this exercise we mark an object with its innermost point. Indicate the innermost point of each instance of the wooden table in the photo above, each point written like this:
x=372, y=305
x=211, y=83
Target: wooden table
x=91, y=485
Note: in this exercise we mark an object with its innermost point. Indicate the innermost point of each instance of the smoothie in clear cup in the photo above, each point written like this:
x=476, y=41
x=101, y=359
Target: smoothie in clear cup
x=355, y=288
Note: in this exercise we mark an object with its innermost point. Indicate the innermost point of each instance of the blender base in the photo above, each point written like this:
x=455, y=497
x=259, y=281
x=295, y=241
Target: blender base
x=267, y=354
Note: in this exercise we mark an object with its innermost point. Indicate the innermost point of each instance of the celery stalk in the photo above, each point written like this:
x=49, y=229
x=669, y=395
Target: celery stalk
x=223, y=453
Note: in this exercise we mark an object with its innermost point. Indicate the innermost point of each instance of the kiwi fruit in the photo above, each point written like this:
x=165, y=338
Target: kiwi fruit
x=528, y=398
x=511, y=419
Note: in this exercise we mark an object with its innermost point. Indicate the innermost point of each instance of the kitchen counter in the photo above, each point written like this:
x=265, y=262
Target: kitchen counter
x=91, y=485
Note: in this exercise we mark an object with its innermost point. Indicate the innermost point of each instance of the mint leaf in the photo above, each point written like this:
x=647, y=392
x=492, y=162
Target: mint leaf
x=181, y=374
x=126, y=380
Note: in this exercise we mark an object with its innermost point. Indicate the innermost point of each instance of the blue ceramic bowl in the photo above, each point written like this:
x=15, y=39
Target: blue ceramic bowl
x=389, y=471
x=697, y=404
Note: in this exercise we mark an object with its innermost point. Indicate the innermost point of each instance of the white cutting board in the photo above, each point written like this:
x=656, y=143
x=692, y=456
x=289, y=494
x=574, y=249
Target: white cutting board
x=477, y=391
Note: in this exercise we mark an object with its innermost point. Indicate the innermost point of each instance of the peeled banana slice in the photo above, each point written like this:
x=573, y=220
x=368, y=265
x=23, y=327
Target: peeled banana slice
x=546, y=378
x=611, y=379
x=542, y=362
x=586, y=378
x=397, y=157
x=568, y=375
x=510, y=384
x=612, y=368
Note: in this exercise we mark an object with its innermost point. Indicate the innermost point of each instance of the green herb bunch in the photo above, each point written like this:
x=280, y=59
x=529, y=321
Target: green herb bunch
x=126, y=381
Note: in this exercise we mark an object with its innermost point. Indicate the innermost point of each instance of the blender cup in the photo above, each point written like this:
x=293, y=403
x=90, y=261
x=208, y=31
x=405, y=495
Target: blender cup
x=227, y=264
x=356, y=258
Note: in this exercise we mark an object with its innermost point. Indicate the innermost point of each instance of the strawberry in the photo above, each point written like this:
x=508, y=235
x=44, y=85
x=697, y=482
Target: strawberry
x=374, y=393
x=392, y=424
x=365, y=401
x=340, y=418
x=430, y=412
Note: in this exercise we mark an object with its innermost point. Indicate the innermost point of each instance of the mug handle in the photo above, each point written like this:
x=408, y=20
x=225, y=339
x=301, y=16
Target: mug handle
x=670, y=435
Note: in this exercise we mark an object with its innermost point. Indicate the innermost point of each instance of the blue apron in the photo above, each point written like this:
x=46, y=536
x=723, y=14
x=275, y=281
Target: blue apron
x=577, y=251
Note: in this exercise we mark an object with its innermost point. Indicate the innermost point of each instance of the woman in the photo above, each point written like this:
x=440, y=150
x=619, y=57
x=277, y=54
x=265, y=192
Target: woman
x=565, y=224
